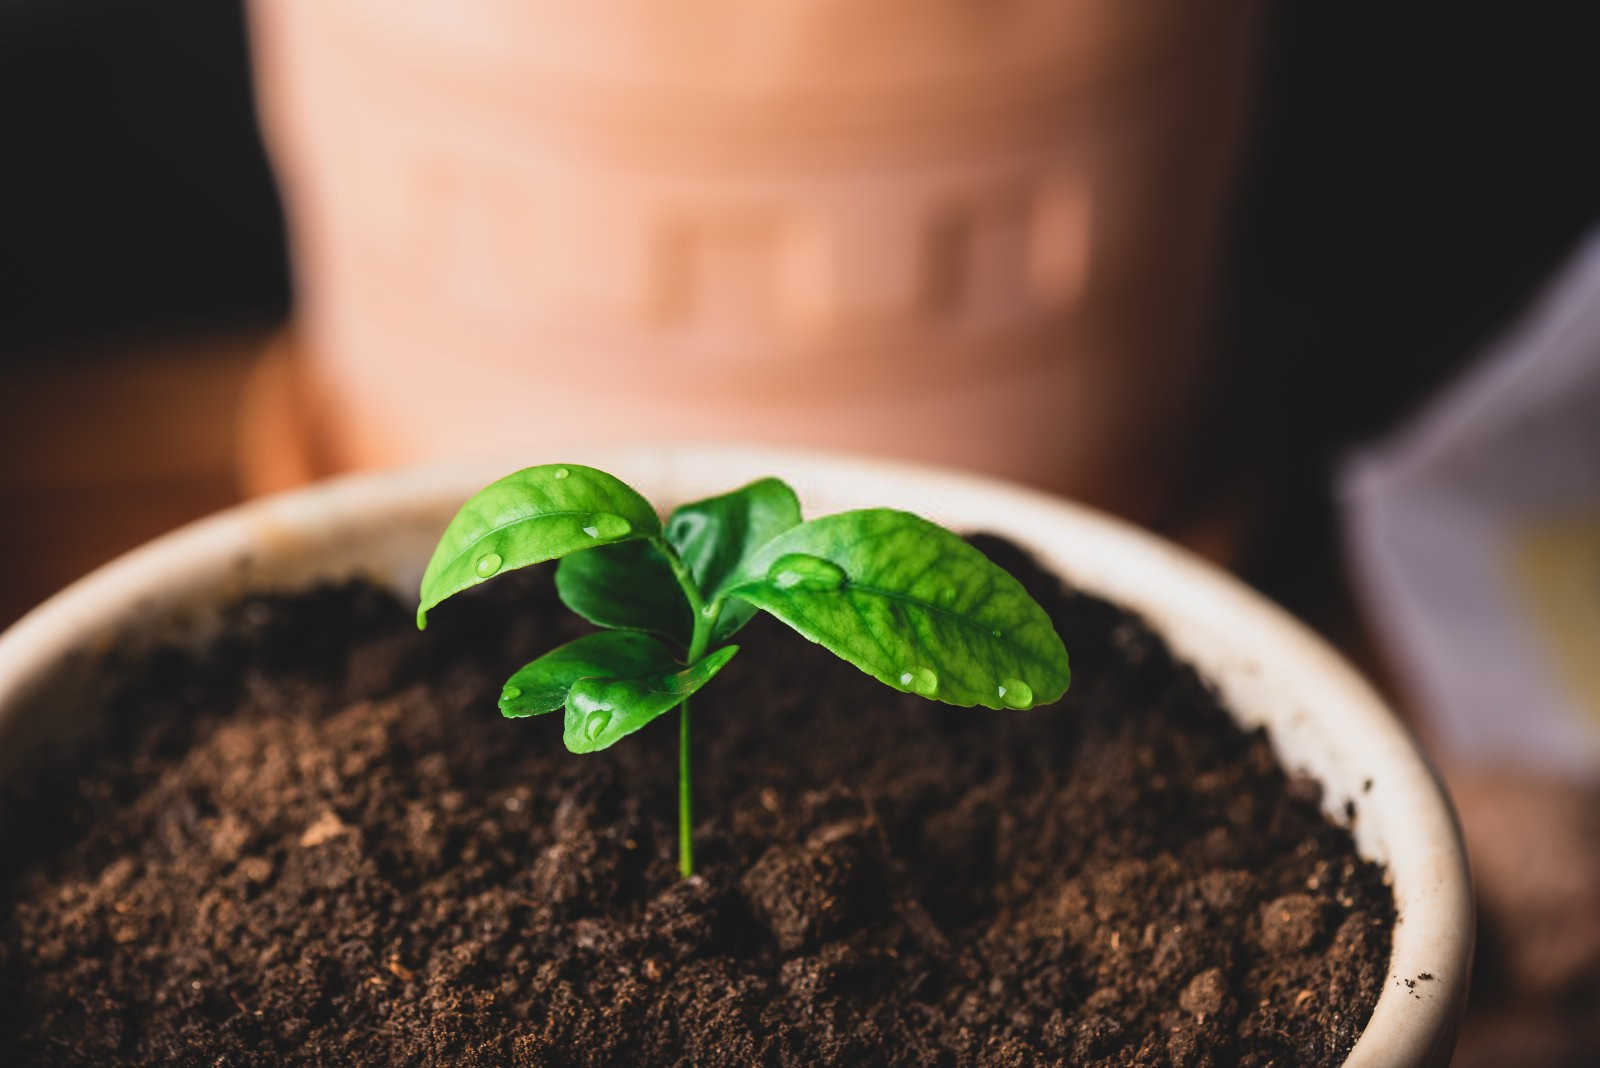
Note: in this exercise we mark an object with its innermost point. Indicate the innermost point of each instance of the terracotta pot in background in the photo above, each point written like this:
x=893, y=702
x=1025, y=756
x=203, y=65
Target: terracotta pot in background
x=973, y=235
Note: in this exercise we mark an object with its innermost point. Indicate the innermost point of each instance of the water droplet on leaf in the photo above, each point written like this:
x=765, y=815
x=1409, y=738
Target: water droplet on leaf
x=1015, y=693
x=487, y=564
x=597, y=722
x=606, y=525
x=920, y=680
x=510, y=693
x=560, y=472
x=806, y=571
x=995, y=633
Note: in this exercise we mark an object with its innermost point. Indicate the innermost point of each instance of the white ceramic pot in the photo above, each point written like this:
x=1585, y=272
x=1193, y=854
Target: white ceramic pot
x=1322, y=717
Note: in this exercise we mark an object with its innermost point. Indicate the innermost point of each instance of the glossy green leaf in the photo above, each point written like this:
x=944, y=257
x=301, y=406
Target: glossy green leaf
x=912, y=605
x=716, y=536
x=601, y=711
x=537, y=514
x=542, y=685
x=629, y=586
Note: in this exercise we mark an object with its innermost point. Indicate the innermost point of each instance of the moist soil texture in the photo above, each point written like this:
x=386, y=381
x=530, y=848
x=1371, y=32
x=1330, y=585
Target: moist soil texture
x=317, y=840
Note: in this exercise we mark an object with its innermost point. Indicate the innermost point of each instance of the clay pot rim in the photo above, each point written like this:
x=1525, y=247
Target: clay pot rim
x=1323, y=717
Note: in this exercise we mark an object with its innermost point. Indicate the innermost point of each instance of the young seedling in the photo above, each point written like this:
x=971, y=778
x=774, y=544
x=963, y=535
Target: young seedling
x=904, y=600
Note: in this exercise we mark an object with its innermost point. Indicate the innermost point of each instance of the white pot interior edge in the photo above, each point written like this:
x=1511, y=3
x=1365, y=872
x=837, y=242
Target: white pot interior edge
x=1323, y=718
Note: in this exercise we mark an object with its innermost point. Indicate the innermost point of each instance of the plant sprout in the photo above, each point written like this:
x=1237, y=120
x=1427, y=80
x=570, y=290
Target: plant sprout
x=904, y=600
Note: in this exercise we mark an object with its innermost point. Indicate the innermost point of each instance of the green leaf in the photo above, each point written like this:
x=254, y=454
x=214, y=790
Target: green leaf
x=600, y=710
x=542, y=685
x=716, y=536
x=628, y=585
x=912, y=605
x=534, y=515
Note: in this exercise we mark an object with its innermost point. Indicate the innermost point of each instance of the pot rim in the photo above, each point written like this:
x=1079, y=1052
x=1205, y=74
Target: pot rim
x=1322, y=716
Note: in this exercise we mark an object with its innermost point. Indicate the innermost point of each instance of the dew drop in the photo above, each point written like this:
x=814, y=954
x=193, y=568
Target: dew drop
x=606, y=525
x=920, y=680
x=995, y=633
x=510, y=693
x=487, y=564
x=1015, y=693
x=597, y=722
x=709, y=611
x=806, y=571
x=560, y=472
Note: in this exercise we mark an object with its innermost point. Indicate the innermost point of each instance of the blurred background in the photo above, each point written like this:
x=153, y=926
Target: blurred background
x=1311, y=289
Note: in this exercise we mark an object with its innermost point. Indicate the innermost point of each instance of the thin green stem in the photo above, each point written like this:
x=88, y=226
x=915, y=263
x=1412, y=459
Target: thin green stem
x=685, y=797
x=701, y=638
x=697, y=649
x=680, y=571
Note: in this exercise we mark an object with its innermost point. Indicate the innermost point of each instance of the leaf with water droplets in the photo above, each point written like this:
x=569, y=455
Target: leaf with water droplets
x=543, y=684
x=602, y=711
x=533, y=515
x=714, y=537
x=912, y=605
x=631, y=585
x=628, y=585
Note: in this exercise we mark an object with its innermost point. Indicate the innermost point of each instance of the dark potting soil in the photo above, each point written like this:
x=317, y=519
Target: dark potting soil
x=319, y=841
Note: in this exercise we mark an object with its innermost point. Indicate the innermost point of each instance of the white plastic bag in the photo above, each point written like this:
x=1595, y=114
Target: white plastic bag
x=1474, y=536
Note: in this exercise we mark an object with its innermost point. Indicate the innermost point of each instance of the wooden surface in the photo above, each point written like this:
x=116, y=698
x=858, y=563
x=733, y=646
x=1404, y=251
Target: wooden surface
x=102, y=450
